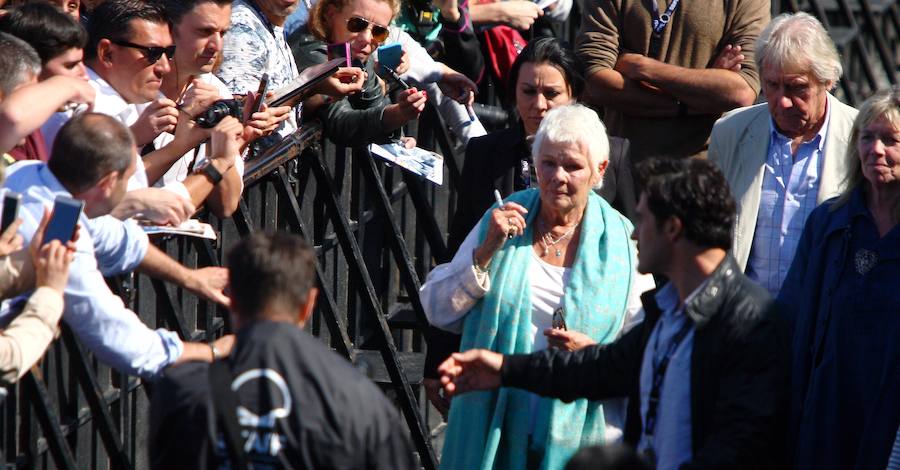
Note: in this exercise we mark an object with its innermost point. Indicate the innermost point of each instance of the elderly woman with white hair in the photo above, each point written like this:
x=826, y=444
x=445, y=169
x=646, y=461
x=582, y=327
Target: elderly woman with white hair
x=549, y=267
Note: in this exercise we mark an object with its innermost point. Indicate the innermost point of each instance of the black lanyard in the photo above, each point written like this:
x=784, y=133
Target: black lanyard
x=658, y=24
x=659, y=374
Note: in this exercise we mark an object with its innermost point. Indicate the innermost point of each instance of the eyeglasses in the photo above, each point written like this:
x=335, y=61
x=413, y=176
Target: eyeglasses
x=151, y=53
x=357, y=25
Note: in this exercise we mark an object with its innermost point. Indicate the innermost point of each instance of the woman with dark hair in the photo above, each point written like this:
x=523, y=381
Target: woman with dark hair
x=841, y=298
x=545, y=75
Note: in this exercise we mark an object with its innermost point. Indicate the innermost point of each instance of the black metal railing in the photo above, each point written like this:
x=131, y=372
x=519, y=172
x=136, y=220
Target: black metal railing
x=377, y=232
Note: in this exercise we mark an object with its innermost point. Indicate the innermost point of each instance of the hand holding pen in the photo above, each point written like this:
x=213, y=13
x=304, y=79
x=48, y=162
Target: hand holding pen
x=506, y=221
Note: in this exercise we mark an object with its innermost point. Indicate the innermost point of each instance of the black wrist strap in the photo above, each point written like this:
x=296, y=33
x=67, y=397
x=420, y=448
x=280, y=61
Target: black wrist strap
x=225, y=405
x=212, y=173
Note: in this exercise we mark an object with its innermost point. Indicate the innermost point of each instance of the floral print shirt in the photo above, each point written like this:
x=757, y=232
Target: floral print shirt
x=254, y=46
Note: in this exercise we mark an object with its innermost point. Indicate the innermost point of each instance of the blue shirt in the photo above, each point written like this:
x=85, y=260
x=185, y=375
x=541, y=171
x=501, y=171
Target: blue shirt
x=790, y=189
x=671, y=440
x=299, y=18
x=106, y=246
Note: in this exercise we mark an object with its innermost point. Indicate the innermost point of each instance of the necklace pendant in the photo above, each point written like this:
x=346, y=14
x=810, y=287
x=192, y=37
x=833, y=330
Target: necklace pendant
x=558, y=252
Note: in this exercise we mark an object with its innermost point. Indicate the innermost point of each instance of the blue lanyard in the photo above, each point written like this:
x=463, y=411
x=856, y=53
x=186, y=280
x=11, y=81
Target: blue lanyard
x=661, y=21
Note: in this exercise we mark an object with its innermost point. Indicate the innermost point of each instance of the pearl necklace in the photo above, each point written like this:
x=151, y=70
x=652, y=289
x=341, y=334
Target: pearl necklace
x=547, y=240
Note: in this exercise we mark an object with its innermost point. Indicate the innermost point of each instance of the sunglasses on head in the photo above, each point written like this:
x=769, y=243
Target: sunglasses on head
x=358, y=25
x=151, y=53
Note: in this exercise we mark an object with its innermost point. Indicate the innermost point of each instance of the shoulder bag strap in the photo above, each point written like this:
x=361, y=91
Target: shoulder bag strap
x=225, y=404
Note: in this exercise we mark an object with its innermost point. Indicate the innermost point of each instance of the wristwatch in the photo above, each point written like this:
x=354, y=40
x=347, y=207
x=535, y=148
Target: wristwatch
x=210, y=172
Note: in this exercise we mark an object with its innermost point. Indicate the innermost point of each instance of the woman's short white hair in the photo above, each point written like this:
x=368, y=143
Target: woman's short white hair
x=577, y=125
x=799, y=39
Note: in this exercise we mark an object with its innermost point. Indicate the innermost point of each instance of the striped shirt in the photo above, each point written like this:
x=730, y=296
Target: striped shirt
x=789, y=192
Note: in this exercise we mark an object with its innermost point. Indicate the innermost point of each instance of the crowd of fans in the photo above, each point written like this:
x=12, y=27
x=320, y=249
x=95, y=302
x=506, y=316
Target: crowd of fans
x=680, y=246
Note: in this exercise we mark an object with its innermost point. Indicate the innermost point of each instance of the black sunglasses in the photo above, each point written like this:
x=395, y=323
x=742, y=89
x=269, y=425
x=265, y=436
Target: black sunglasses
x=357, y=25
x=151, y=53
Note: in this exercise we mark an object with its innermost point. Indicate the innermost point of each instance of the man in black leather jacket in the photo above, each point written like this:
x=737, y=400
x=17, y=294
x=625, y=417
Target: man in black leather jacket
x=705, y=374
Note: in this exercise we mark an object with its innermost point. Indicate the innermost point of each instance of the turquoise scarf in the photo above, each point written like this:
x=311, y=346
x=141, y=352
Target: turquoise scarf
x=489, y=430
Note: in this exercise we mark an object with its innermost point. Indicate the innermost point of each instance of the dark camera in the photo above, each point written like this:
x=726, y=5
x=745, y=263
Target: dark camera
x=217, y=111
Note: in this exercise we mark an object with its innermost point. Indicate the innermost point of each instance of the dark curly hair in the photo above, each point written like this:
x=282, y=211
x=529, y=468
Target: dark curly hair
x=696, y=192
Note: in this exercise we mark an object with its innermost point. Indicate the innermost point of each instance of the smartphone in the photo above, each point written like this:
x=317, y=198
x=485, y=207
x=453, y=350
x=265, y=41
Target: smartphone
x=11, y=203
x=340, y=50
x=261, y=93
x=64, y=219
x=559, y=319
x=389, y=55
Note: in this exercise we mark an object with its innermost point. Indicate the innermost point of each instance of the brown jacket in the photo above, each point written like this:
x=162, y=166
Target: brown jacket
x=693, y=38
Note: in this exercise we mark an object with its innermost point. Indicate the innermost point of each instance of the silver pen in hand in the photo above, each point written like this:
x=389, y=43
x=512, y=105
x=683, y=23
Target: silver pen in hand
x=499, y=200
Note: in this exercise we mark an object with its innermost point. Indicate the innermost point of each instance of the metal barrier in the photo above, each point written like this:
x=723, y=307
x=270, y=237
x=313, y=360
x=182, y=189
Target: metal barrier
x=375, y=231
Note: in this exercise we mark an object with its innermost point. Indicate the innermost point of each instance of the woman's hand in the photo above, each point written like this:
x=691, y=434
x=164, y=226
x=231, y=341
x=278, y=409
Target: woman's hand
x=411, y=103
x=519, y=14
x=506, y=221
x=345, y=82
x=10, y=240
x=458, y=86
x=567, y=340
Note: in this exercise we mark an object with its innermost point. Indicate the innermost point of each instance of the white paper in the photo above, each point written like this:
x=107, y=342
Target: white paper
x=416, y=160
x=190, y=227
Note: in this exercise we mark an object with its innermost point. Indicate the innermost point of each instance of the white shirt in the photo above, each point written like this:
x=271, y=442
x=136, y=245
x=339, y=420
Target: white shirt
x=452, y=289
x=173, y=178
x=106, y=246
x=107, y=101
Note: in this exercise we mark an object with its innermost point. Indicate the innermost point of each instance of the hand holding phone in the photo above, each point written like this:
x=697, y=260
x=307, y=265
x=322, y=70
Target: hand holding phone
x=340, y=50
x=64, y=220
x=390, y=55
x=11, y=202
x=261, y=94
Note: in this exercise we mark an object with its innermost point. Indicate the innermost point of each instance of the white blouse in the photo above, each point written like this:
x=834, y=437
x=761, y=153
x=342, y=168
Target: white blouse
x=453, y=288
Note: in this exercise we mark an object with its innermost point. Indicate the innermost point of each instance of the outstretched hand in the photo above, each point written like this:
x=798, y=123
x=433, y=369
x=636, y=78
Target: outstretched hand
x=476, y=369
x=209, y=283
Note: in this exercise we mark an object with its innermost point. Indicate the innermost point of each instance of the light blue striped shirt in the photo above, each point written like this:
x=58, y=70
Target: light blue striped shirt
x=672, y=440
x=106, y=246
x=790, y=189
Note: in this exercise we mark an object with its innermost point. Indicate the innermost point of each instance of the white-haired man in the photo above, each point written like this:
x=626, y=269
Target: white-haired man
x=784, y=157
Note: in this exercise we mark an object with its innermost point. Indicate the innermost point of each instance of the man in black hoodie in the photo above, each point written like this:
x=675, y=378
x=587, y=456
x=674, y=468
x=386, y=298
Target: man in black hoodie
x=295, y=403
x=705, y=374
